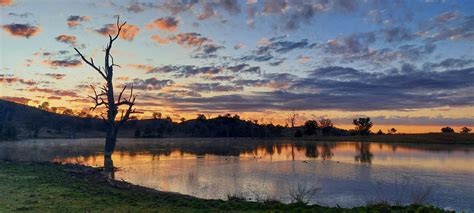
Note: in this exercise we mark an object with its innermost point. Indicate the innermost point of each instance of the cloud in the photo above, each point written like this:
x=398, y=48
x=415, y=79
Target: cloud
x=448, y=16
x=213, y=87
x=20, y=100
x=187, y=70
x=463, y=29
x=178, y=6
x=450, y=63
x=54, y=92
x=66, y=39
x=159, y=39
x=6, y=3
x=56, y=76
x=244, y=68
x=149, y=84
x=345, y=88
x=303, y=59
x=128, y=32
x=189, y=39
x=207, y=51
x=238, y=46
x=21, y=30
x=210, y=8
x=73, y=21
x=397, y=34
x=137, y=7
x=10, y=80
x=168, y=24
x=267, y=48
x=63, y=63
x=21, y=15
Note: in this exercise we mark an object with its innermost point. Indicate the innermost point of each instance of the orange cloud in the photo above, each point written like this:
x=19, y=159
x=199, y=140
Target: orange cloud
x=66, y=39
x=10, y=80
x=73, y=21
x=20, y=100
x=169, y=24
x=53, y=92
x=160, y=40
x=140, y=67
x=21, y=30
x=5, y=3
x=128, y=31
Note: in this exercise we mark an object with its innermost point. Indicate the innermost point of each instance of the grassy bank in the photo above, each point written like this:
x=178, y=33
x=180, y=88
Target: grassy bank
x=437, y=138
x=46, y=187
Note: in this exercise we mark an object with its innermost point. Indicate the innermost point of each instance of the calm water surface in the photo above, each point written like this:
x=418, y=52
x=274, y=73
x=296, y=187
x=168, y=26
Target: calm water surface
x=347, y=173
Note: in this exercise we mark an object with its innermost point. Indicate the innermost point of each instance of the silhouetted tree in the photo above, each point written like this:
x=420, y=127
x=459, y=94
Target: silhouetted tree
x=298, y=133
x=157, y=115
x=137, y=133
x=201, y=117
x=44, y=106
x=380, y=132
x=107, y=96
x=447, y=130
x=465, y=130
x=363, y=125
x=310, y=127
x=291, y=120
x=392, y=131
x=326, y=126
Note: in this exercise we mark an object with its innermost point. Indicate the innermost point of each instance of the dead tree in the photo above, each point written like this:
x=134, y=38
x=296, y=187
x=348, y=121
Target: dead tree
x=106, y=96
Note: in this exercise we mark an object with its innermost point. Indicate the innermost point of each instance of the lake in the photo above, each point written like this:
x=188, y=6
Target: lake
x=340, y=173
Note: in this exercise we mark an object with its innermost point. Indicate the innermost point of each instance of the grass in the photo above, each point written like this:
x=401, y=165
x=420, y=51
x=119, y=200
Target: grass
x=46, y=187
x=437, y=138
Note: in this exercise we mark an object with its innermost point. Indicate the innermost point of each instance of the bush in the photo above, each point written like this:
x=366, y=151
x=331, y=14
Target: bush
x=447, y=130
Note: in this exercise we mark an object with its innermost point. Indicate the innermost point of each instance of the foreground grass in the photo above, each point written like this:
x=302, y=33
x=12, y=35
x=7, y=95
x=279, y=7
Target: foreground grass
x=45, y=187
x=435, y=138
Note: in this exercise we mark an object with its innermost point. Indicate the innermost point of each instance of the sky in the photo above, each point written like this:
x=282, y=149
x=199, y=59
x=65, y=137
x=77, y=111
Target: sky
x=405, y=64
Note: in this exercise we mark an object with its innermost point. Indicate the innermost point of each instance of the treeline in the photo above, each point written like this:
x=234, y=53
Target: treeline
x=21, y=121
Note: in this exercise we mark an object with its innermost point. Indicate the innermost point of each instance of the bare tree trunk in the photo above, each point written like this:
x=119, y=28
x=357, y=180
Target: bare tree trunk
x=110, y=141
x=107, y=97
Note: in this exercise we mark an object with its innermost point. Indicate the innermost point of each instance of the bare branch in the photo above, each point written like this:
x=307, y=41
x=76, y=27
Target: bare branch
x=91, y=63
x=96, y=98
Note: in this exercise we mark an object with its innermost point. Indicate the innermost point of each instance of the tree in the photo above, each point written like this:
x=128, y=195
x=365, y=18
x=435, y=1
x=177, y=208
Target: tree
x=465, y=130
x=201, y=117
x=44, y=106
x=298, y=133
x=324, y=123
x=157, y=115
x=310, y=127
x=380, y=132
x=291, y=120
x=363, y=125
x=107, y=96
x=447, y=129
x=392, y=131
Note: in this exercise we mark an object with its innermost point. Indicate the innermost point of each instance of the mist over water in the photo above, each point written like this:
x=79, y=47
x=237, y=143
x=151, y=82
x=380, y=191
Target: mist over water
x=346, y=173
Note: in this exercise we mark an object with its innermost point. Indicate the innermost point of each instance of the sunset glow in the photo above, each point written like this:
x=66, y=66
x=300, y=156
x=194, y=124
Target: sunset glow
x=408, y=66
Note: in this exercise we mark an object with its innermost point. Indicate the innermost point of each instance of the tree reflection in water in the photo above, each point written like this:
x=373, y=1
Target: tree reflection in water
x=364, y=155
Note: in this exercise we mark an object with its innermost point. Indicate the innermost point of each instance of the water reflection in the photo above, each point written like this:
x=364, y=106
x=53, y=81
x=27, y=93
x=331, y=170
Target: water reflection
x=348, y=172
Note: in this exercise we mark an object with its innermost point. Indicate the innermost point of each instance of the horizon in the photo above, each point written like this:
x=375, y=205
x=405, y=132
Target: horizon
x=409, y=67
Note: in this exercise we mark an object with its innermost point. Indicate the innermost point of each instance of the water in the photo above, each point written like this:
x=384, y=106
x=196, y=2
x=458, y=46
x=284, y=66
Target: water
x=345, y=173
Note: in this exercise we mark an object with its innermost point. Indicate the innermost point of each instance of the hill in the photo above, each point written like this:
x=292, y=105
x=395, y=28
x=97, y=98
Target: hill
x=21, y=121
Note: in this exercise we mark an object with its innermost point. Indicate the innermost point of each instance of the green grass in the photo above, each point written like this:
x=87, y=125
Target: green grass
x=45, y=187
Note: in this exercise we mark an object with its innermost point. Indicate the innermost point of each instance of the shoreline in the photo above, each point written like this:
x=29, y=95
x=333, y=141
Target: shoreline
x=423, y=138
x=35, y=186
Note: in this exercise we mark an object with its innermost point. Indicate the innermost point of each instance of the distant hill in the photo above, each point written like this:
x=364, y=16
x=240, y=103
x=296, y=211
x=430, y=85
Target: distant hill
x=21, y=121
